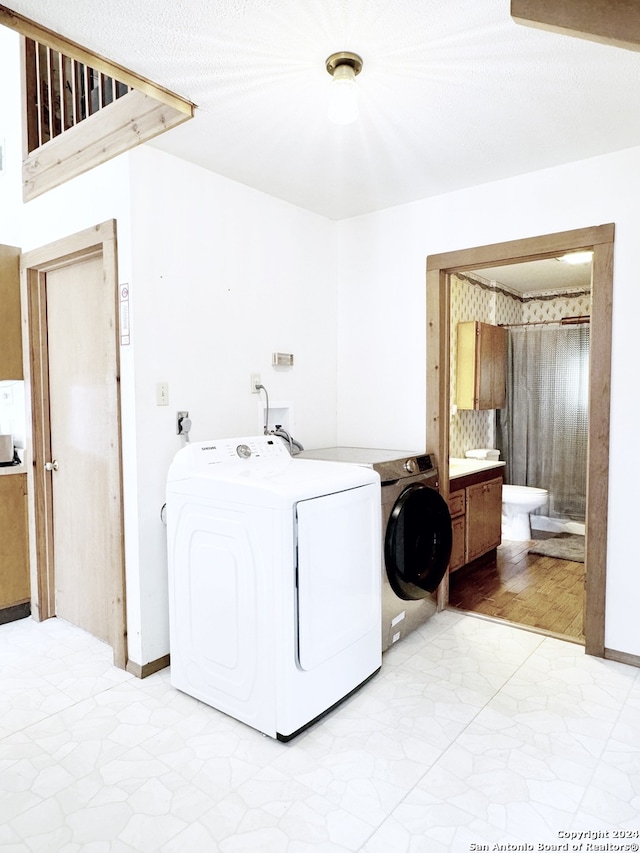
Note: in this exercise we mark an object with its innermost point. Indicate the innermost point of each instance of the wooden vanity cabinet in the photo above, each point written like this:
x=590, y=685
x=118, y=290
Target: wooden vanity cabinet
x=483, y=528
x=14, y=550
x=475, y=504
x=481, y=366
x=457, y=507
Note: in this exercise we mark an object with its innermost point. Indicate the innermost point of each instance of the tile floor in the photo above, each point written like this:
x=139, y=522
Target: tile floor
x=474, y=734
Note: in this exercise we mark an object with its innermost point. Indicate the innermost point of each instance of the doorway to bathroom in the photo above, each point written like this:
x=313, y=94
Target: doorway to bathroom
x=542, y=309
x=442, y=272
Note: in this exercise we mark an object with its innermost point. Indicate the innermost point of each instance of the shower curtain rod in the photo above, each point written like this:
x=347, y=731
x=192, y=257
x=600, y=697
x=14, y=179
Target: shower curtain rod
x=565, y=321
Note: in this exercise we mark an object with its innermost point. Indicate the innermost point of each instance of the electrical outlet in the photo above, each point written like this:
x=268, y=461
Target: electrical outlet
x=162, y=394
x=255, y=380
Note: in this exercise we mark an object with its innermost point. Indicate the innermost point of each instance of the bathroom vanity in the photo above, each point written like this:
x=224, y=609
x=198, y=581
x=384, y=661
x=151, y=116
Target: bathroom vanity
x=14, y=551
x=475, y=503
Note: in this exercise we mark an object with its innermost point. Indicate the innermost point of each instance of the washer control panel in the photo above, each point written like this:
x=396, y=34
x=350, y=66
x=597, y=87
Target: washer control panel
x=425, y=463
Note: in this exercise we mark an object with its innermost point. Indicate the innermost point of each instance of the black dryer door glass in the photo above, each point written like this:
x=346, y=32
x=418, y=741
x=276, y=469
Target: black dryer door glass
x=417, y=542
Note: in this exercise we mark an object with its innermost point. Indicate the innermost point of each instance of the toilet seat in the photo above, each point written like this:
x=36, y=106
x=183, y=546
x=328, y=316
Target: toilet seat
x=517, y=494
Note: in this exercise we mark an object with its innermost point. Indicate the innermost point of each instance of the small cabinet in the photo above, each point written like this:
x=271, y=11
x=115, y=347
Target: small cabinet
x=10, y=323
x=14, y=557
x=483, y=518
x=481, y=366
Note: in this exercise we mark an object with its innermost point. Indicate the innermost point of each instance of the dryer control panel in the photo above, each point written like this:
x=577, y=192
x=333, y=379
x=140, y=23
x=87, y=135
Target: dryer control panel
x=229, y=453
x=252, y=447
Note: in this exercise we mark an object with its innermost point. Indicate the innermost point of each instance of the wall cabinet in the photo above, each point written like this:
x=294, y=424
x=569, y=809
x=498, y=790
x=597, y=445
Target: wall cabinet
x=14, y=556
x=10, y=323
x=481, y=366
x=475, y=504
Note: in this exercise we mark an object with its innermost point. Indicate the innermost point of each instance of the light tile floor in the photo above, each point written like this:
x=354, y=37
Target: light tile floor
x=474, y=734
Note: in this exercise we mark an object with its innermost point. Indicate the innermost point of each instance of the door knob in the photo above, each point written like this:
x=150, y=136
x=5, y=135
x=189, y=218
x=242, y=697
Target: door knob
x=51, y=466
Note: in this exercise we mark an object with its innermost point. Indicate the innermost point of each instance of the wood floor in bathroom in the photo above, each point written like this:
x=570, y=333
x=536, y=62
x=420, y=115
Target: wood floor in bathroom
x=541, y=592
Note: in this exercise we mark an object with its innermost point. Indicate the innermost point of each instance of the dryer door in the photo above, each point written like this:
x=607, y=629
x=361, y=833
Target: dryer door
x=417, y=542
x=338, y=572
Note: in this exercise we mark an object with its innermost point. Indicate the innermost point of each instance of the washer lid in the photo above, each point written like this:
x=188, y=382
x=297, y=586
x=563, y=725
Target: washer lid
x=390, y=464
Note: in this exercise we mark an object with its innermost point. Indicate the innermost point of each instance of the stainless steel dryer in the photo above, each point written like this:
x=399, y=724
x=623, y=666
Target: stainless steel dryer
x=416, y=533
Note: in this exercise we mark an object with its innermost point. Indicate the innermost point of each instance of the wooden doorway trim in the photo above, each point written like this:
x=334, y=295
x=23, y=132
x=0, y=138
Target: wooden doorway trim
x=599, y=239
x=597, y=20
x=97, y=241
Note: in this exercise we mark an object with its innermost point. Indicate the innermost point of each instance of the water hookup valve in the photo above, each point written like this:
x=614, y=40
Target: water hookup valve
x=183, y=424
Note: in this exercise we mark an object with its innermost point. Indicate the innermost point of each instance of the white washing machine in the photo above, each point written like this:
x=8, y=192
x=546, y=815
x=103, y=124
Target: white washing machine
x=416, y=533
x=274, y=581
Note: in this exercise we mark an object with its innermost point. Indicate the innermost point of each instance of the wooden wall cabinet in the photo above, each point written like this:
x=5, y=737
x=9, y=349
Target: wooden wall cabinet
x=481, y=366
x=475, y=504
x=14, y=551
x=10, y=323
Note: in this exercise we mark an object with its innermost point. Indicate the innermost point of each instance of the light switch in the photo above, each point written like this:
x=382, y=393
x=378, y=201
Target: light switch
x=162, y=394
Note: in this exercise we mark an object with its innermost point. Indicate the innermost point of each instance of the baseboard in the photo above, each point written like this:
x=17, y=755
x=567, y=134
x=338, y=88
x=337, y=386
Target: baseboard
x=485, y=559
x=622, y=657
x=145, y=669
x=15, y=612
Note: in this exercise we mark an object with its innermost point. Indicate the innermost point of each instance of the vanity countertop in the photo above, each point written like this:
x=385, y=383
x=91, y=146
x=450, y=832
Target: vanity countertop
x=13, y=469
x=464, y=467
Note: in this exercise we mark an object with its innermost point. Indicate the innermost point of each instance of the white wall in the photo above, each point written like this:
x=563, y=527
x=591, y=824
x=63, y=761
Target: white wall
x=222, y=277
x=382, y=329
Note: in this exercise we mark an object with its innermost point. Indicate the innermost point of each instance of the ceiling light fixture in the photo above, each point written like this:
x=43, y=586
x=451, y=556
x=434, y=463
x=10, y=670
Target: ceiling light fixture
x=577, y=258
x=343, y=98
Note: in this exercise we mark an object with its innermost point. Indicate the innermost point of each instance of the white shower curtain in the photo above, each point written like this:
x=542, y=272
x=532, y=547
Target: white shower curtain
x=542, y=432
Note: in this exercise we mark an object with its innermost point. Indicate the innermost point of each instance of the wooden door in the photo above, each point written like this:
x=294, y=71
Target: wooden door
x=491, y=367
x=83, y=413
x=483, y=519
x=466, y=365
x=77, y=493
x=493, y=509
x=475, y=522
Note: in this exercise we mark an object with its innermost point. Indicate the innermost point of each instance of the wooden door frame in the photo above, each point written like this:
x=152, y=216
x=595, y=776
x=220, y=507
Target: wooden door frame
x=99, y=241
x=598, y=239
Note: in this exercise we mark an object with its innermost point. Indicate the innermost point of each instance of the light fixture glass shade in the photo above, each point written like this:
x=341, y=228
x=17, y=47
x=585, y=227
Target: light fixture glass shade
x=577, y=257
x=343, y=96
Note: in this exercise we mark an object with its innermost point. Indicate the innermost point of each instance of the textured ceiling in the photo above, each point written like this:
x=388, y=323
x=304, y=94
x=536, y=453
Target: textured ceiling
x=541, y=275
x=453, y=93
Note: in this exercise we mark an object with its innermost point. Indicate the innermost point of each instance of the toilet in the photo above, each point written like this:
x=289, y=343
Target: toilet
x=517, y=503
